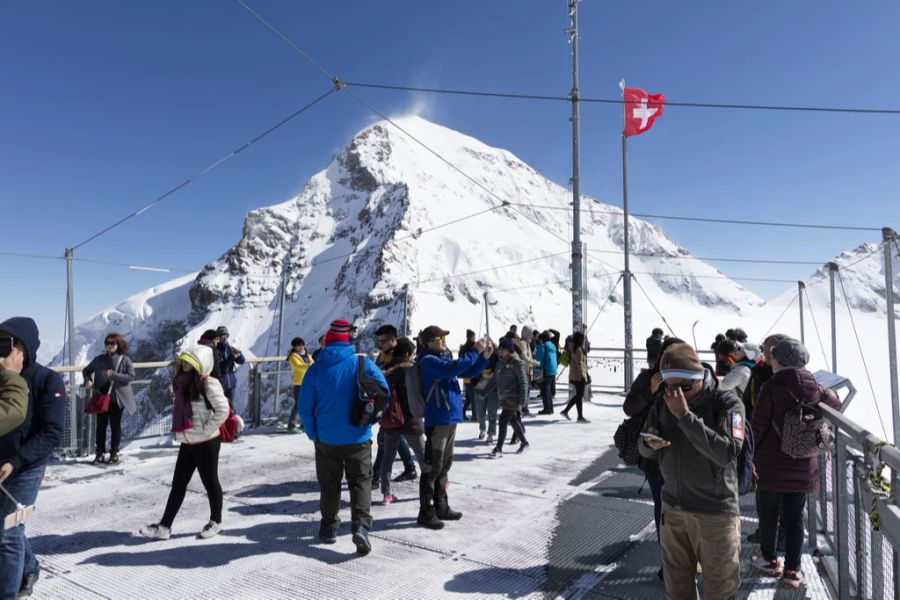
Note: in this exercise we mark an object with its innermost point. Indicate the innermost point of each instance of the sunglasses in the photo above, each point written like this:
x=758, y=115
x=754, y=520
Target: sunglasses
x=440, y=337
x=685, y=387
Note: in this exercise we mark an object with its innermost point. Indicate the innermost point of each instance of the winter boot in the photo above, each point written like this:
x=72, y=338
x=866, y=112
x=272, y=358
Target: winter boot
x=328, y=535
x=361, y=539
x=429, y=520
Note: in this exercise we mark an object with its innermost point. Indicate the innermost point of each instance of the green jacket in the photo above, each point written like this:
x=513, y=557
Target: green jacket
x=13, y=400
x=700, y=467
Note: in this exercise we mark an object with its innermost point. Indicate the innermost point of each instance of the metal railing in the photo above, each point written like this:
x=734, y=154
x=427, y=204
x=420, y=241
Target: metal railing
x=859, y=561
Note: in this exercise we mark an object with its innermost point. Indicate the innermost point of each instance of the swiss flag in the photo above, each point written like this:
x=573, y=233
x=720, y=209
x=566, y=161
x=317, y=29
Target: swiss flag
x=641, y=110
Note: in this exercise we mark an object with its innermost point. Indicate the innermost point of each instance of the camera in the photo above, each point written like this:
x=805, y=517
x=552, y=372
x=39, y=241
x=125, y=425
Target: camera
x=6, y=346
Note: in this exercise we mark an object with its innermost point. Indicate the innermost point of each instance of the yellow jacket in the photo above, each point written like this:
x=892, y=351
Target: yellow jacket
x=299, y=366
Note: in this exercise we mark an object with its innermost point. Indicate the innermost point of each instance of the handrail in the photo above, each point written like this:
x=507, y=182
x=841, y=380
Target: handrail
x=165, y=363
x=868, y=441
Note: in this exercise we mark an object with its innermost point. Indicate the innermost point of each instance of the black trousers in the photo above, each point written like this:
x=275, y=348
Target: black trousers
x=200, y=457
x=332, y=463
x=789, y=505
x=508, y=416
x=112, y=418
x=438, y=460
x=656, y=481
x=577, y=399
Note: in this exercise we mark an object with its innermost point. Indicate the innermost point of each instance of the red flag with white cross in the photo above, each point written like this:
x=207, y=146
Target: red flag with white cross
x=641, y=110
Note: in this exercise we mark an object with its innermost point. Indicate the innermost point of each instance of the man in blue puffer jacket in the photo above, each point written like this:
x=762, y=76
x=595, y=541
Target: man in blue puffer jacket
x=24, y=453
x=443, y=410
x=546, y=355
x=326, y=396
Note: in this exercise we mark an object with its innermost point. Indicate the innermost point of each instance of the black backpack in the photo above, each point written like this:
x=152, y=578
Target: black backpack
x=628, y=436
x=745, y=457
x=368, y=402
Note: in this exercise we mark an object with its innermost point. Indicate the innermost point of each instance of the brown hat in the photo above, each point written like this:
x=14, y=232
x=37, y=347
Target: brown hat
x=431, y=332
x=681, y=360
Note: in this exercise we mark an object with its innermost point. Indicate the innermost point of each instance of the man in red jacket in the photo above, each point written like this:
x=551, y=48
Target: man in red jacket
x=783, y=482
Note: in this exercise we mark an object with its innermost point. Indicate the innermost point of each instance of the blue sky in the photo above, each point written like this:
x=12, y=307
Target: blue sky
x=107, y=104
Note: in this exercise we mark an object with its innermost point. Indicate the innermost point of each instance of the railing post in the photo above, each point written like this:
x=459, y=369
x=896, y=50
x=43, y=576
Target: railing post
x=840, y=513
x=257, y=397
x=812, y=521
x=860, y=524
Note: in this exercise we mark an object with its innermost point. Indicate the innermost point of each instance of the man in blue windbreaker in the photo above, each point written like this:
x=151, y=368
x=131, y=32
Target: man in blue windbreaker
x=326, y=396
x=443, y=410
x=24, y=453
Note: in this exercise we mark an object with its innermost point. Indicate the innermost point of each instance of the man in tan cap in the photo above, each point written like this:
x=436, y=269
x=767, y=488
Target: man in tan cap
x=697, y=433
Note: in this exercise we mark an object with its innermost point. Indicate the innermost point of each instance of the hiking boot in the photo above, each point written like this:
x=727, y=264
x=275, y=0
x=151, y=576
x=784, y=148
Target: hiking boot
x=361, y=539
x=390, y=498
x=448, y=514
x=793, y=579
x=328, y=535
x=497, y=453
x=523, y=448
x=156, y=532
x=429, y=521
x=114, y=458
x=28, y=581
x=481, y=434
x=769, y=567
x=209, y=530
x=406, y=476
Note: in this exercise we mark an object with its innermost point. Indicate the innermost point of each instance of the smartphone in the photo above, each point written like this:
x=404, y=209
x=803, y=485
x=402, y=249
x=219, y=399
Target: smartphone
x=6, y=346
x=651, y=436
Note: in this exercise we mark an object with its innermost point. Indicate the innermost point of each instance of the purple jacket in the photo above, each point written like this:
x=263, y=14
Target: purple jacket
x=777, y=471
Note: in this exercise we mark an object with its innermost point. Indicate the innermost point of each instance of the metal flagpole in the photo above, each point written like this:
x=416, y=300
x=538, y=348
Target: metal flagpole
x=800, y=287
x=626, y=280
x=70, y=333
x=284, y=269
x=890, y=237
x=832, y=271
x=487, y=318
x=584, y=289
x=406, y=309
x=577, y=283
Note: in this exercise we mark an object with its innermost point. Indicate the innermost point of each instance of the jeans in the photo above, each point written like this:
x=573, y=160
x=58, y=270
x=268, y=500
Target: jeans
x=196, y=457
x=438, y=460
x=332, y=463
x=392, y=439
x=486, y=410
x=511, y=417
x=790, y=506
x=16, y=555
x=113, y=418
x=409, y=466
x=547, y=393
x=576, y=400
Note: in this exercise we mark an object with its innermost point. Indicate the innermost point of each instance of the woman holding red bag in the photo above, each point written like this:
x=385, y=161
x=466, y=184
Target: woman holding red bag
x=111, y=373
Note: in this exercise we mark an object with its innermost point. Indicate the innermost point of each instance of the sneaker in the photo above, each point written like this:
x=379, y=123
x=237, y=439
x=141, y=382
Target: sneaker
x=211, y=529
x=28, y=581
x=566, y=415
x=361, y=539
x=156, y=532
x=328, y=535
x=489, y=439
x=481, y=434
x=293, y=430
x=523, y=448
x=114, y=458
x=497, y=453
x=583, y=420
x=448, y=514
x=429, y=521
x=769, y=567
x=447, y=484
x=406, y=476
x=793, y=579
x=389, y=499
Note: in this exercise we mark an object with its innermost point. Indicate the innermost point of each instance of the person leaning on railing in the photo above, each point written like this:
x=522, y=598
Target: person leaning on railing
x=783, y=482
x=111, y=373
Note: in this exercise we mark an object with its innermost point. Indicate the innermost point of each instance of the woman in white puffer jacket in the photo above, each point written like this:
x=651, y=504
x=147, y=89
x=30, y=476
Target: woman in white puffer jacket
x=200, y=408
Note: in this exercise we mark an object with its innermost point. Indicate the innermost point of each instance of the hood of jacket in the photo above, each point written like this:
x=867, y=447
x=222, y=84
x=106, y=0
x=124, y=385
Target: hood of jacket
x=199, y=356
x=25, y=330
x=334, y=353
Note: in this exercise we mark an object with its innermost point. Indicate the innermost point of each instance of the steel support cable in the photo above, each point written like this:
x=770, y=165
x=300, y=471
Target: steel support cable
x=714, y=277
x=712, y=259
x=669, y=327
x=486, y=270
x=812, y=314
x=710, y=219
x=776, y=107
x=207, y=169
x=784, y=312
x=862, y=356
x=339, y=84
x=608, y=298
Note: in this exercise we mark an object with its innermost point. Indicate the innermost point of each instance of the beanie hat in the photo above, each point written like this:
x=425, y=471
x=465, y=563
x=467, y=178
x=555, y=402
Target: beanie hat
x=338, y=332
x=681, y=360
x=752, y=351
x=791, y=353
x=469, y=333
x=222, y=331
x=507, y=344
